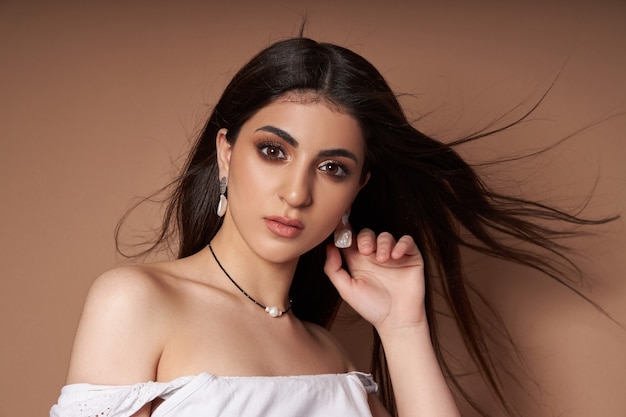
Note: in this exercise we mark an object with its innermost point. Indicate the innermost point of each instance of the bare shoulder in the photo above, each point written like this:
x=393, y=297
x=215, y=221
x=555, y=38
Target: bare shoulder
x=122, y=327
x=129, y=294
x=330, y=345
x=129, y=287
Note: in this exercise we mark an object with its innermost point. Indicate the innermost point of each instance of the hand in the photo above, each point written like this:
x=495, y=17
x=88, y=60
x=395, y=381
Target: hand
x=385, y=284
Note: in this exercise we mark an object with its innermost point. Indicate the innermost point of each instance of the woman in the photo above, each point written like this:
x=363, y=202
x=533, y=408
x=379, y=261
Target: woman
x=306, y=144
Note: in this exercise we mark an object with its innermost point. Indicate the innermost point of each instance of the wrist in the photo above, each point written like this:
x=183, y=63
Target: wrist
x=418, y=329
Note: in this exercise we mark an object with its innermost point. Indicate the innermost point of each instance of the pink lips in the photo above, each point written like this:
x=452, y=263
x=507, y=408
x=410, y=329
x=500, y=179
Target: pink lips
x=284, y=226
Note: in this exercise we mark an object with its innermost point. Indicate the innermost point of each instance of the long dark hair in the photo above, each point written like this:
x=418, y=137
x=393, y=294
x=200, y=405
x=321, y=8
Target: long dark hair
x=418, y=186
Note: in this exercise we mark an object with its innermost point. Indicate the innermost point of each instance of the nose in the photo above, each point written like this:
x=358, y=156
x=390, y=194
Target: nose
x=296, y=189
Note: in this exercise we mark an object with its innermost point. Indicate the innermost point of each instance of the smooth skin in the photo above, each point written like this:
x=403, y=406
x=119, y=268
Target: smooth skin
x=387, y=277
x=288, y=186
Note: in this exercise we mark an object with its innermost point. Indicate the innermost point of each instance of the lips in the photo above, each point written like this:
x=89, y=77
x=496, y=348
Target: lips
x=284, y=226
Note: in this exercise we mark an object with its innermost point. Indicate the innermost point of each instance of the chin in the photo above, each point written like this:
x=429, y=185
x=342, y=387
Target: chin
x=284, y=252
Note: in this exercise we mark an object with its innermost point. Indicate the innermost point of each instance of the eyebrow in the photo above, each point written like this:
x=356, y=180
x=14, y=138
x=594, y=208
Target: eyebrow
x=291, y=141
x=339, y=152
x=280, y=133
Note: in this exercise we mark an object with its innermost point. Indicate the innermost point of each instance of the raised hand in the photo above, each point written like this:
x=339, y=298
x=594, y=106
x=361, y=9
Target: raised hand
x=385, y=279
x=385, y=285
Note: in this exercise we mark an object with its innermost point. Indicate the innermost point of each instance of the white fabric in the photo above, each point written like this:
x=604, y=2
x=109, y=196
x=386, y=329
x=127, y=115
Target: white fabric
x=208, y=395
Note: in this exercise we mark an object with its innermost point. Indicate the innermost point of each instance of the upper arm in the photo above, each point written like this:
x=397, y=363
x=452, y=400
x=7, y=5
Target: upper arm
x=120, y=333
x=331, y=346
x=376, y=406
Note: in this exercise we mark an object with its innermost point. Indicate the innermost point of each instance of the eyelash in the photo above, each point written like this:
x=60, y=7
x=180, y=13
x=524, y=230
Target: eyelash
x=263, y=150
x=338, y=165
x=264, y=147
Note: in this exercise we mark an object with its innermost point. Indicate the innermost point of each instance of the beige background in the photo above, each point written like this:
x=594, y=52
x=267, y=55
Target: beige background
x=99, y=100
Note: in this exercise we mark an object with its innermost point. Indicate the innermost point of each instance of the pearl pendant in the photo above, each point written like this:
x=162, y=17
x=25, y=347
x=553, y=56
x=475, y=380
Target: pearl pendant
x=221, y=206
x=343, y=238
x=273, y=311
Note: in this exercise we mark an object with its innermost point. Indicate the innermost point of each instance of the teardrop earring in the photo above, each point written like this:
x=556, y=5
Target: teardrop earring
x=223, y=203
x=343, y=237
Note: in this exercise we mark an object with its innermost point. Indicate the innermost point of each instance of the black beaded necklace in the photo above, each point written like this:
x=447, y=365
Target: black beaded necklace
x=273, y=311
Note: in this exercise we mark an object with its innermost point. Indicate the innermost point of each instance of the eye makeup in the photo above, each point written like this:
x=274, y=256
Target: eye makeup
x=273, y=142
x=270, y=150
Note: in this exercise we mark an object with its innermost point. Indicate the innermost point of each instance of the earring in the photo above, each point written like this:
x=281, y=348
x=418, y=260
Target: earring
x=343, y=237
x=221, y=206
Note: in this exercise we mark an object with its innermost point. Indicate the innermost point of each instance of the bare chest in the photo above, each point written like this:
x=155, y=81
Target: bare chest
x=222, y=342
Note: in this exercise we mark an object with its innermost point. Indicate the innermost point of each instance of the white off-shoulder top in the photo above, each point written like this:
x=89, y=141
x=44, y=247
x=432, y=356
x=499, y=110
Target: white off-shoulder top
x=207, y=395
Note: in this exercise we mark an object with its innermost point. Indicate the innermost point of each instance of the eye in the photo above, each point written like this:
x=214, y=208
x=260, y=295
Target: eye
x=334, y=168
x=272, y=151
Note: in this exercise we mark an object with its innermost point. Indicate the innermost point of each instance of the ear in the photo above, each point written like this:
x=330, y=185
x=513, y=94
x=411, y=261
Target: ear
x=224, y=150
x=365, y=180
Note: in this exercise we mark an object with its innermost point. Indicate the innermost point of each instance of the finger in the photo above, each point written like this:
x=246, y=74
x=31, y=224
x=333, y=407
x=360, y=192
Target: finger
x=384, y=244
x=366, y=242
x=405, y=246
x=338, y=276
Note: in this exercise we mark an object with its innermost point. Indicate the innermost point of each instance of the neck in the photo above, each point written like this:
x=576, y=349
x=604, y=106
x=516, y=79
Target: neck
x=263, y=281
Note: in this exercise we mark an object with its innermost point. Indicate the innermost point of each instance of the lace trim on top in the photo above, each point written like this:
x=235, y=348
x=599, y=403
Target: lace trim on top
x=87, y=400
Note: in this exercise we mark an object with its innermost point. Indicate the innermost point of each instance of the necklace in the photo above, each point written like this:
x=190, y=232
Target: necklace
x=273, y=311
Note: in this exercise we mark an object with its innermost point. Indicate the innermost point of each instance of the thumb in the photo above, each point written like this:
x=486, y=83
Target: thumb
x=333, y=268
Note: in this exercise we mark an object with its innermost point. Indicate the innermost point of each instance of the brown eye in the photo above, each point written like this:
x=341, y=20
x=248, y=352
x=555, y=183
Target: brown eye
x=272, y=152
x=334, y=169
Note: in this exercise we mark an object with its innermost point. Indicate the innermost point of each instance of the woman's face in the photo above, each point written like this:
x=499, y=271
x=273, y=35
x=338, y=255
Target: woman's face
x=294, y=169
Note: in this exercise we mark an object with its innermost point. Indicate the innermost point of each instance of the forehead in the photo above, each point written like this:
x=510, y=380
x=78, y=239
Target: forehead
x=311, y=121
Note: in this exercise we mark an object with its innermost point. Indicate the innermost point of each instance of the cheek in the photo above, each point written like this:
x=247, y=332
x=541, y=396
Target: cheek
x=239, y=184
x=242, y=177
x=245, y=169
x=334, y=203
